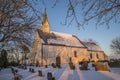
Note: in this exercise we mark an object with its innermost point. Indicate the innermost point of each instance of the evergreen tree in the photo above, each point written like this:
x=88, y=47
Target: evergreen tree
x=4, y=60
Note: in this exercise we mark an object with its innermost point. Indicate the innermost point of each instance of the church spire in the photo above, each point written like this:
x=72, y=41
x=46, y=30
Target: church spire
x=45, y=26
x=45, y=16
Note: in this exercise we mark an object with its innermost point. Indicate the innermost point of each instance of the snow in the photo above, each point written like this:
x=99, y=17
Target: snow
x=59, y=39
x=65, y=39
x=115, y=70
x=92, y=46
x=63, y=73
x=6, y=74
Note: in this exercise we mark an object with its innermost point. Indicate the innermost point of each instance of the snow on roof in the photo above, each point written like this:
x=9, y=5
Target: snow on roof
x=92, y=46
x=60, y=39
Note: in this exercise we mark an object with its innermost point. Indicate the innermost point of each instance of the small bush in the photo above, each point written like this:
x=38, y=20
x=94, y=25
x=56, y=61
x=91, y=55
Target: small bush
x=84, y=66
x=53, y=65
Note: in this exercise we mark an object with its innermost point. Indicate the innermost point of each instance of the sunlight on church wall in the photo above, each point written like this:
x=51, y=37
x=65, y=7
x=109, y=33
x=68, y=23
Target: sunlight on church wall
x=48, y=46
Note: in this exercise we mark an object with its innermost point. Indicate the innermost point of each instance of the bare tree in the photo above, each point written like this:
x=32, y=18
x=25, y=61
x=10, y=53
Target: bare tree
x=11, y=58
x=19, y=52
x=115, y=45
x=18, y=20
x=102, y=11
x=15, y=52
x=25, y=51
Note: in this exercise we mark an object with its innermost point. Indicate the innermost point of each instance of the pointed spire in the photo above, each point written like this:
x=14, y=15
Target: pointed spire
x=45, y=27
x=45, y=16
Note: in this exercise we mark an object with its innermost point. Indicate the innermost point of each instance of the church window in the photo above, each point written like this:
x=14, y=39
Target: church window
x=75, y=54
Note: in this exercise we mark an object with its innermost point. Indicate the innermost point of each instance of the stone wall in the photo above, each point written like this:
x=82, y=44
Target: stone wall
x=97, y=55
x=50, y=52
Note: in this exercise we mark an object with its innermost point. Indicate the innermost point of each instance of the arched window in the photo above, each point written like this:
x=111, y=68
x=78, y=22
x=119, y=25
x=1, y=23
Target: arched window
x=75, y=54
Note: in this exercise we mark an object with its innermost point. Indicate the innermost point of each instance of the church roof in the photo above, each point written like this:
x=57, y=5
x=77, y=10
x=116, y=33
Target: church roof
x=57, y=38
x=92, y=46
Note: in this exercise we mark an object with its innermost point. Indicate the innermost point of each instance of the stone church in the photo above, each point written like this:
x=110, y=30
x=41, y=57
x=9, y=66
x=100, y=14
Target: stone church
x=49, y=45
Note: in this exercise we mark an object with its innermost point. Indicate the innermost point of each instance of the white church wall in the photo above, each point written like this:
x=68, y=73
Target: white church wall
x=97, y=55
x=50, y=52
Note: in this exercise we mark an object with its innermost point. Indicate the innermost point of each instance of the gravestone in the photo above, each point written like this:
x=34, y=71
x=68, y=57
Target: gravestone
x=32, y=70
x=49, y=76
x=39, y=73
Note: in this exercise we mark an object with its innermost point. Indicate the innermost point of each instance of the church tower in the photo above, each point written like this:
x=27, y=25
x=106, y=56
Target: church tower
x=45, y=26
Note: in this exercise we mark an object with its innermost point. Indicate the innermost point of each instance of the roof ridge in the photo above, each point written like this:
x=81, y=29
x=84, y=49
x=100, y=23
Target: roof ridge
x=60, y=33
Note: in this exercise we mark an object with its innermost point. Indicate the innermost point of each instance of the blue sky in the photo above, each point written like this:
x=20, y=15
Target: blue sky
x=102, y=34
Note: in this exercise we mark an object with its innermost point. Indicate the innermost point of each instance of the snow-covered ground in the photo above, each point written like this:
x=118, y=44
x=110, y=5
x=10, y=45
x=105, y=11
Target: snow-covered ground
x=63, y=73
